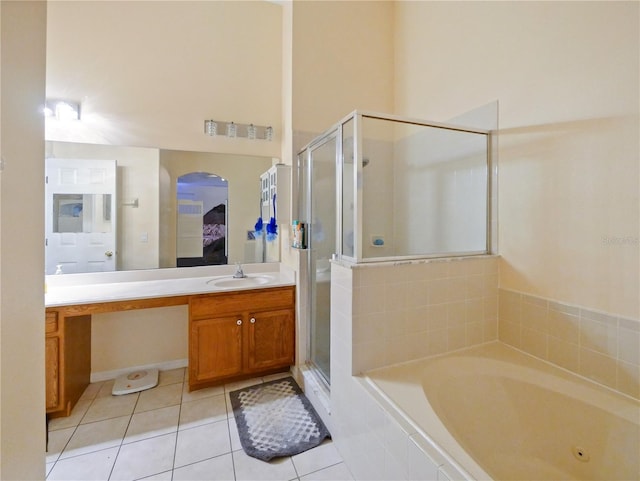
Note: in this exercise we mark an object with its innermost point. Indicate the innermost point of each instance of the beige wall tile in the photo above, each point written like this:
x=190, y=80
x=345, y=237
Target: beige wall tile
x=457, y=289
x=437, y=342
x=535, y=315
x=491, y=285
x=476, y=286
x=437, y=291
x=417, y=343
x=371, y=277
x=587, y=342
x=566, y=308
x=565, y=327
x=629, y=379
x=535, y=343
x=632, y=325
x=629, y=346
x=475, y=267
x=395, y=296
x=456, y=338
x=371, y=299
x=458, y=268
x=369, y=327
x=599, y=337
x=396, y=349
x=456, y=314
x=474, y=310
x=598, y=316
x=598, y=367
x=509, y=332
x=437, y=317
x=509, y=306
x=475, y=333
x=437, y=270
x=491, y=308
x=417, y=319
x=490, y=330
x=411, y=300
x=564, y=354
x=417, y=294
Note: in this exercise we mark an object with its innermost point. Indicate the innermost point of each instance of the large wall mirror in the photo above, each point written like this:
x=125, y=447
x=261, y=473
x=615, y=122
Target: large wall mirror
x=153, y=84
x=147, y=201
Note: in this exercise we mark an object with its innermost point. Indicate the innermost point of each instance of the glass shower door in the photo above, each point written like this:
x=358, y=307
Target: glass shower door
x=322, y=245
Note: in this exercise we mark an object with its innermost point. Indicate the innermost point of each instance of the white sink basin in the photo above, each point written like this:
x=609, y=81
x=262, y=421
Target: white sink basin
x=249, y=281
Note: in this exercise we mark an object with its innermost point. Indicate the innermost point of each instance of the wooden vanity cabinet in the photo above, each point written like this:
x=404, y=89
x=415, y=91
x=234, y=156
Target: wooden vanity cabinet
x=52, y=362
x=67, y=360
x=240, y=334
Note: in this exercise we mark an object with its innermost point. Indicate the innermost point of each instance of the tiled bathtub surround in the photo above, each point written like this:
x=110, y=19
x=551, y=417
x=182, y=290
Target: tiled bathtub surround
x=595, y=345
x=383, y=314
x=407, y=311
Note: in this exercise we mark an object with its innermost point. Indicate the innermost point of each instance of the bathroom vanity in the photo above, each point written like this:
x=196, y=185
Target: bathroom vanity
x=240, y=334
x=238, y=328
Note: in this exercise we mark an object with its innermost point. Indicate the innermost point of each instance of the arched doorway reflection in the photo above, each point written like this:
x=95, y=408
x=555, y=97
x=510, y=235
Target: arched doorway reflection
x=201, y=230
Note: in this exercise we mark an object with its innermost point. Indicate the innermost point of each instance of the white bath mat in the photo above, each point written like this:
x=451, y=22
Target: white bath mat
x=135, y=381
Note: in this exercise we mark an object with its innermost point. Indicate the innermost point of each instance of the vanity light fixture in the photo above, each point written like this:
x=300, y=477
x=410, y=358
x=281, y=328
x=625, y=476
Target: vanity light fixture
x=62, y=109
x=210, y=127
x=231, y=130
x=234, y=130
x=251, y=132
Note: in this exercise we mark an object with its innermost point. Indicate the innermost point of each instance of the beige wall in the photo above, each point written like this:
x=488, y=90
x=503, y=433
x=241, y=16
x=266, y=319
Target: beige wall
x=154, y=86
x=125, y=340
x=342, y=61
x=22, y=426
x=566, y=78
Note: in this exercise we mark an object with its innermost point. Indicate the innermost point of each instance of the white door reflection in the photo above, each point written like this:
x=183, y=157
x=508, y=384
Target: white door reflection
x=80, y=228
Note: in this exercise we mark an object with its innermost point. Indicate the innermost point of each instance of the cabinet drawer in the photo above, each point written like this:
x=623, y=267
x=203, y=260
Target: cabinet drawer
x=51, y=322
x=237, y=302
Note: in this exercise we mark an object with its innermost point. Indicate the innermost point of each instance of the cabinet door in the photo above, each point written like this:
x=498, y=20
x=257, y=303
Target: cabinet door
x=215, y=348
x=52, y=372
x=271, y=339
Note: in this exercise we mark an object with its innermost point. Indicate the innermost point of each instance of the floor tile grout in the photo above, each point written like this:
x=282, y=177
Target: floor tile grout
x=209, y=418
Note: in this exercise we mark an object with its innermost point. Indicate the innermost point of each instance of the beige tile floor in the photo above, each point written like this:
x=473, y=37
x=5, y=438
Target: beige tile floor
x=168, y=433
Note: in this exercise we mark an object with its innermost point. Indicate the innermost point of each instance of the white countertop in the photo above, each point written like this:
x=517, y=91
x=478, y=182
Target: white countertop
x=75, y=289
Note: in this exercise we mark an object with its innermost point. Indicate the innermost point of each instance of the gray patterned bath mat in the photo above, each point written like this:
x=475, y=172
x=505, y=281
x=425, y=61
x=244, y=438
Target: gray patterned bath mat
x=276, y=419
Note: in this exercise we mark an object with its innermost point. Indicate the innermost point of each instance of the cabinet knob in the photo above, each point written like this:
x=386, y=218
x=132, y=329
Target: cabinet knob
x=239, y=322
x=253, y=320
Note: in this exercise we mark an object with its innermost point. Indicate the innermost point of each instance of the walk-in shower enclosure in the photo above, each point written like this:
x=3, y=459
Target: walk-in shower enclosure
x=379, y=187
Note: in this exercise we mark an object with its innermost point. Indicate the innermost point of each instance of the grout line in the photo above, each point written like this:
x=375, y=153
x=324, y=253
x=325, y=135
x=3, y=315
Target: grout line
x=175, y=448
x=228, y=419
x=123, y=436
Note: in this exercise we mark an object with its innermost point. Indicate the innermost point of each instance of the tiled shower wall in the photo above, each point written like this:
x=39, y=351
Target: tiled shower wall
x=593, y=344
x=402, y=312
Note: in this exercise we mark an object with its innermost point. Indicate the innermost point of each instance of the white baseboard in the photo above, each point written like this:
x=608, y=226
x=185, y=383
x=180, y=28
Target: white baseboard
x=161, y=366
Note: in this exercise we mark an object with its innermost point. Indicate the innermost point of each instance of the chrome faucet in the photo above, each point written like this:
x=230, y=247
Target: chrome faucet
x=239, y=273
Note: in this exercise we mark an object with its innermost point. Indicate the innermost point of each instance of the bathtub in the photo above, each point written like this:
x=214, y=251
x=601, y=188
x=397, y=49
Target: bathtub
x=494, y=412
